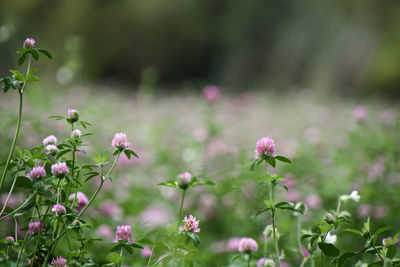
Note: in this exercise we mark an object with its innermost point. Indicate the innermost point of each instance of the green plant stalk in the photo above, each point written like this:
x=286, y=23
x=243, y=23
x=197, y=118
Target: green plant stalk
x=273, y=224
x=377, y=251
x=72, y=173
x=120, y=255
x=38, y=236
x=23, y=245
x=248, y=260
x=152, y=249
x=181, y=205
x=9, y=194
x=21, y=93
x=298, y=236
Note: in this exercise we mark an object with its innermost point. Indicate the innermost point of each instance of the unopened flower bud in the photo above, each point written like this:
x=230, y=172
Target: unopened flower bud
x=76, y=133
x=73, y=115
x=9, y=240
x=58, y=209
x=29, y=43
x=329, y=218
x=185, y=180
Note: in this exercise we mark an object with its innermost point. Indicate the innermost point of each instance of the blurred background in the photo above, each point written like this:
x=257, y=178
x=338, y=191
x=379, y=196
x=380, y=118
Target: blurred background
x=349, y=47
x=319, y=77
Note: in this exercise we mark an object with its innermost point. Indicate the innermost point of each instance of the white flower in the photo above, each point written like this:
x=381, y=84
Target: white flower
x=330, y=238
x=355, y=196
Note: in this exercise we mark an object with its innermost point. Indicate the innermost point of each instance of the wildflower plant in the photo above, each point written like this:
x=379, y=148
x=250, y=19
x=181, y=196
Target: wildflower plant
x=265, y=152
x=51, y=177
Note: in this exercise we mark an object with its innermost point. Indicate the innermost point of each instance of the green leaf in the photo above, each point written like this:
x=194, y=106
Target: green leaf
x=35, y=54
x=391, y=251
x=255, y=163
x=271, y=161
x=170, y=183
x=343, y=258
x=352, y=231
x=282, y=158
x=262, y=211
x=18, y=75
x=22, y=58
x=46, y=53
x=383, y=229
x=114, y=258
x=135, y=245
x=29, y=203
x=329, y=249
x=194, y=237
x=23, y=182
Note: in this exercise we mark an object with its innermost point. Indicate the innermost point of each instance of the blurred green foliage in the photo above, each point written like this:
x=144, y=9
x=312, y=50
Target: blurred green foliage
x=350, y=46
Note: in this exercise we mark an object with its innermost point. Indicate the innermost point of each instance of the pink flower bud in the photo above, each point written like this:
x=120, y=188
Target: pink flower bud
x=37, y=172
x=9, y=240
x=29, y=43
x=73, y=115
x=35, y=227
x=52, y=149
x=50, y=140
x=185, y=180
x=211, y=93
x=59, y=262
x=59, y=169
x=58, y=209
x=76, y=133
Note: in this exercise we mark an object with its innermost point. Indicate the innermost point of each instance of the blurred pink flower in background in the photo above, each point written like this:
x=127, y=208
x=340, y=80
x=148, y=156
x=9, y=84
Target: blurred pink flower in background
x=247, y=245
x=145, y=252
x=111, y=208
x=380, y=211
x=211, y=93
x=285, y=264
x=233, y=244
x=377, y=168
x=105, y=231
x=81, y=200
x=313, y=201
x=156, y=215
x=208, y=206
x=218, y=146
x=387, y=117
x=289, y=181
x=293, y=195
x=312, y=135
x=360, y=113
x=15, y=199
x=364, y=210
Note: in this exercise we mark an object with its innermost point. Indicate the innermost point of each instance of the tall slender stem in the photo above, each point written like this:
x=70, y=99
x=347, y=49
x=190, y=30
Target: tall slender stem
x=298, y=235
x=248, y=260
x=9, y=194
x=273, y=224
x=21, y=93
x=181, y=205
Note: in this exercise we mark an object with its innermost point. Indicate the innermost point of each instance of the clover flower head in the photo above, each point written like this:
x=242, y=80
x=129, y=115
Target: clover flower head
x=247, y=245
x=191, y=225
x=37, y=172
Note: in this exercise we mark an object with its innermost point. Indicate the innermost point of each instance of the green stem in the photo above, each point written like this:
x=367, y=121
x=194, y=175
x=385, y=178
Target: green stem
x=23, y=245
x=72, y=172
x=152, y=249
x=9, y=194
x=21, y=93
x=377, y=251
x=248, y=261
x=181, y=205
x=298, y=235
x=273, y=223
x=339, y=205
x=120, y=255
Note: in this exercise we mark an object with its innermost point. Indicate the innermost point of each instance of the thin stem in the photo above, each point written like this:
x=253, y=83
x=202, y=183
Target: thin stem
x=377, y=251
x=273, y=224
x=57, y=191
x=248, y=260
x=9, y=194
x=181, y=205
x=73, y=170
x=152, y=249
x=298, y=235
x=120, y=255
x=23, y=245
x=21, y=92
x=16, y=228
x=265, y=245
x=339, y=205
